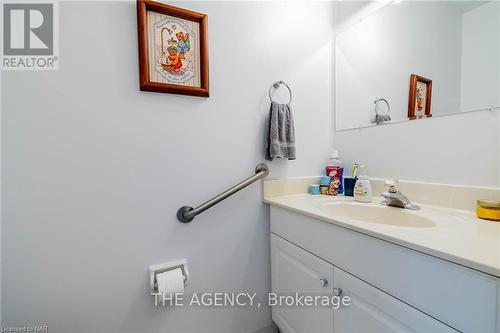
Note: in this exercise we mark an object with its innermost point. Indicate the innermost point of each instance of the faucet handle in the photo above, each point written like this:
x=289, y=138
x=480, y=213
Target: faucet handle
x=392, y=186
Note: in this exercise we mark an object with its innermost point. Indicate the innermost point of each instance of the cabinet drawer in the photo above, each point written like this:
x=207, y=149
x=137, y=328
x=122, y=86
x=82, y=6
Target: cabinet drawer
x=460, y=297
x=294, y=270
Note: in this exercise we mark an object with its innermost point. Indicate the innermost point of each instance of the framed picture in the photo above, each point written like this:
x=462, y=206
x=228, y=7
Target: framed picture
x=173, y=49
x=419, y=102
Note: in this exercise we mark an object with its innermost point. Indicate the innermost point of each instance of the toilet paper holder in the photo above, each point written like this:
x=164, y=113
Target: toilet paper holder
x=161, y=268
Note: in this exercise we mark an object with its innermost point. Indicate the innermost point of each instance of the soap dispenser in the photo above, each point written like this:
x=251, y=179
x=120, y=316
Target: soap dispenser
x=363, y=188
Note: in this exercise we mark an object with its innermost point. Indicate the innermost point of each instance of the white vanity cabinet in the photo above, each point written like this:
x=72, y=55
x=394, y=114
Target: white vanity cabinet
x=392, y=288
x=295, y=270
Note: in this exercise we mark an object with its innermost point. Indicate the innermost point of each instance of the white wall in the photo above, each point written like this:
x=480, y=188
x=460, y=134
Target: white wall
x=457, y=149
x=94, y=170
x=481, y=57
x=375, y=57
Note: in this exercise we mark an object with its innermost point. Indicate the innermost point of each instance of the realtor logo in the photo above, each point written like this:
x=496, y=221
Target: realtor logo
x=30, y=36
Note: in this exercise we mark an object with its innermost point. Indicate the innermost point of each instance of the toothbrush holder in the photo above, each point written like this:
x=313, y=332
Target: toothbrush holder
x=349, y=186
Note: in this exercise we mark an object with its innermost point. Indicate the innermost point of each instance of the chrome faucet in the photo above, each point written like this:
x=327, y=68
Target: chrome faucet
x=394, y=197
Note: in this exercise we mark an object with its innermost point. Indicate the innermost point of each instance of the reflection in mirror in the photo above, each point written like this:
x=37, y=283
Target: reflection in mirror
x=425, y=58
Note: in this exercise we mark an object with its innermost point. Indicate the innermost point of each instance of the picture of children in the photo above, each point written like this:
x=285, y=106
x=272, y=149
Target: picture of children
x=173, y=50
x=176, y=50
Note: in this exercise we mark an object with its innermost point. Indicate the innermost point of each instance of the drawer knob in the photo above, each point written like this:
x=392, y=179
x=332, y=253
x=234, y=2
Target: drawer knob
x=337, y=292
x=323, y=282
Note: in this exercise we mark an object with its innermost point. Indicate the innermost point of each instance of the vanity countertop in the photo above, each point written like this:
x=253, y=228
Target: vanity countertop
x=457, y=235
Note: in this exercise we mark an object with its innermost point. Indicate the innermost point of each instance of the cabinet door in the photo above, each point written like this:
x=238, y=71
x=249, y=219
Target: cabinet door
x=372, y=310
x=295, y=270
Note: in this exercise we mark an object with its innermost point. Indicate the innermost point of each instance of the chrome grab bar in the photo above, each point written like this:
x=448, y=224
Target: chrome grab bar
x=186, y=214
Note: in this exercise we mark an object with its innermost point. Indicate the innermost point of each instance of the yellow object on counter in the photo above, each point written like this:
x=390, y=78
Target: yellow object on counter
x=488, y=210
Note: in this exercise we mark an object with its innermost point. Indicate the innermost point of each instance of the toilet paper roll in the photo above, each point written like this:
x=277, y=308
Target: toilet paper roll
x=170, y=282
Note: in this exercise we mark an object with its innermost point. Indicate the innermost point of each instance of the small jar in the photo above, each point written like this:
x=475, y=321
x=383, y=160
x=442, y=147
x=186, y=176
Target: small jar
x=314, y=189
x=323, y=189
x=488, y=210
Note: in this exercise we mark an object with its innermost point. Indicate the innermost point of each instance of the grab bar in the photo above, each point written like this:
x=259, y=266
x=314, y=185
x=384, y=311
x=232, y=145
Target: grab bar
x=186, y=214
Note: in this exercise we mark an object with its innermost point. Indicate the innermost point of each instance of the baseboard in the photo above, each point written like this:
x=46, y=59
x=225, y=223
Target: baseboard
x=268, y=329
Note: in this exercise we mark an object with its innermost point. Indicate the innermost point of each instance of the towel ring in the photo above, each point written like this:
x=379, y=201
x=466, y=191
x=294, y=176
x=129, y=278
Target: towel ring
x=377, y=114
x=276, y=85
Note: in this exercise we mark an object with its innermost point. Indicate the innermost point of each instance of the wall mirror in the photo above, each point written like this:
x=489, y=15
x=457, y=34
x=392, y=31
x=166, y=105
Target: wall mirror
x=417, y=59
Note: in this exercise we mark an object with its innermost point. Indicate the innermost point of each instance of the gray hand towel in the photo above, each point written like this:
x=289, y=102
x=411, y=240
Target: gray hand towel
x=281, y=133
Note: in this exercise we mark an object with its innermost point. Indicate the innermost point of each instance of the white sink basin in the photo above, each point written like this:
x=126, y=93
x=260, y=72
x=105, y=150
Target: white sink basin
x=372, y=213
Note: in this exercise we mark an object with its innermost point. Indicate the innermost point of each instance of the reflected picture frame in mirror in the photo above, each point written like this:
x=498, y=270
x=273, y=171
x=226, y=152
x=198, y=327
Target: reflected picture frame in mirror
x=420, y=98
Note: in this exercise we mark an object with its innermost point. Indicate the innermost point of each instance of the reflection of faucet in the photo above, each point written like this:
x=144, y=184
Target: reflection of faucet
x=394, y=197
